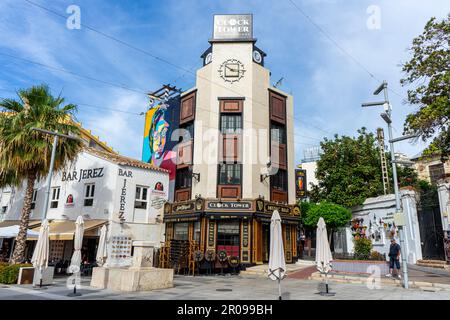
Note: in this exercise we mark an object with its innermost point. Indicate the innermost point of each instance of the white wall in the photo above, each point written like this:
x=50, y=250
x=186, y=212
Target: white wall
x=310, y=168
x=444, y=203
x=384, y=207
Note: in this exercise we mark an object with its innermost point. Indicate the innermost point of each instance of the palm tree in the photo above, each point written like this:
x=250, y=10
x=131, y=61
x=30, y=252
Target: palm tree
x=25, y=153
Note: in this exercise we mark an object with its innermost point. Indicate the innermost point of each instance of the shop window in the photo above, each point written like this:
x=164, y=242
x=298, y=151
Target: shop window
x=181, y=231
x=141, y=197
x=278, y=133
x=33, y=199
x=89, y=191
x=437, y=172
x=228, y=238
x=230, y=123
x=183, y=179
x=197, y=231
x=55, y=197
x=230, y=173
x=279, y=180
x=186, y=132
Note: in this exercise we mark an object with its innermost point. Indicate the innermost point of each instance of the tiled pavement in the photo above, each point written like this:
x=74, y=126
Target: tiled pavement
x=226, y=288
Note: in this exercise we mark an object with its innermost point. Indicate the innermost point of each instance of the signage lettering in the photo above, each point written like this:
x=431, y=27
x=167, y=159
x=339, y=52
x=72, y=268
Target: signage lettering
x=233, y=26
x=83, y=174
x=125, y=173
x=241, y=205
x=122, y=200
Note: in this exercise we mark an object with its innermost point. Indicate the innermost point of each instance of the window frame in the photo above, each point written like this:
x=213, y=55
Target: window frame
x=139, y=201
x=276, y=178
x=33, y=199
x=236, y=165
x=54, y=202
x=236, y=129
x=89, y=198
x=186, y=176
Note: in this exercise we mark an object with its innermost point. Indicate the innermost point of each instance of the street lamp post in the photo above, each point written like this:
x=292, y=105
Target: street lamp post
x=52, y=164
x=386, y=115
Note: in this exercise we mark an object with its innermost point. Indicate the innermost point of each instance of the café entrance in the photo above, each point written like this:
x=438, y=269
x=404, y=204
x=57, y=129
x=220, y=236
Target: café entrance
x=265, y=241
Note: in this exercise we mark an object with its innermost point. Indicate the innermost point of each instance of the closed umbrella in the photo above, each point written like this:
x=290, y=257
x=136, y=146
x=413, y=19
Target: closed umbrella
x=101, y=250
x=323, y=251
x=277, y=264
x=75, y=262
x=40, y=254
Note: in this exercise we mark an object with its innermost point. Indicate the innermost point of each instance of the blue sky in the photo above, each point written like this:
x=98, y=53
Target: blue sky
x=328, y=86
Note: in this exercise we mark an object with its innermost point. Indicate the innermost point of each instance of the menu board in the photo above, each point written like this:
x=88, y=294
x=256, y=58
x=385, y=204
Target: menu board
x=120, y=253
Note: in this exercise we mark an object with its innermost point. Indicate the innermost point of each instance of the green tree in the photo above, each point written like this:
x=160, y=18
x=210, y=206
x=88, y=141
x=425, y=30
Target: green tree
x=25, y=153
x=335, y=216
x=429, y=67
x=349, y=170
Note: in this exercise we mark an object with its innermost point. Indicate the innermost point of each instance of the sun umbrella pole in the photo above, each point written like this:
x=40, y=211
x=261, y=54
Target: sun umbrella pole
x=279, y=284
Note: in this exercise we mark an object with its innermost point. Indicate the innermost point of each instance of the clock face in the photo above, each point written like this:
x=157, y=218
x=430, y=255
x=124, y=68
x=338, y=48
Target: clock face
x=257, y=56
x=231, y=70
x=208, y=58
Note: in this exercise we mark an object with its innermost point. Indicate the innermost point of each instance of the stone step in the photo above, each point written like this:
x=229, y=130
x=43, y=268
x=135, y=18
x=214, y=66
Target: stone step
x=431, y=265
x=442, y=262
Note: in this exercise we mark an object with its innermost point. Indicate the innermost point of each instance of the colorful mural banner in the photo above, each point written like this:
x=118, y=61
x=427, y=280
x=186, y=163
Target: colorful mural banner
x=300, y=183
x=158, y=148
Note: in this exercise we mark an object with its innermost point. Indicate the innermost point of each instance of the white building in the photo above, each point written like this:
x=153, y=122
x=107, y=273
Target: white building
x=311, y=179
x=125, y=194
x=378, y=218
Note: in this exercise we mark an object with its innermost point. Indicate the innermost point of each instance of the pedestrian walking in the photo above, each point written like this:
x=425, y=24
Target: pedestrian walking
x=394, y=259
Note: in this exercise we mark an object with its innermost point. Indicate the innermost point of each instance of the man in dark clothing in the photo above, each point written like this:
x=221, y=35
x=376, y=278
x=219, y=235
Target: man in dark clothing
x=394, y=258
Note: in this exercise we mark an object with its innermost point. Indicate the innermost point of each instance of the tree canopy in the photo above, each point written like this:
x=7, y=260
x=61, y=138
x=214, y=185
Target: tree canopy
x=25, y=153
x=429, y=68
x=349, y=170
x=335, y=216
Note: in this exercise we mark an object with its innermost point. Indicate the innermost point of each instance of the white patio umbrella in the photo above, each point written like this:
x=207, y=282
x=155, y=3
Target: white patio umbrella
x=40, y=254
x=323, y=251
x=75, y=262
x=101, y=250
x=277, y=263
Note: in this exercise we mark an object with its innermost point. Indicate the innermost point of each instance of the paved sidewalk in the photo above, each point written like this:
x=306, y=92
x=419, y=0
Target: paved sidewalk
x=227, y=288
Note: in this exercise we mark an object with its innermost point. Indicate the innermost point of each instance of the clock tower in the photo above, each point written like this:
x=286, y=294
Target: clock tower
x=237, y=165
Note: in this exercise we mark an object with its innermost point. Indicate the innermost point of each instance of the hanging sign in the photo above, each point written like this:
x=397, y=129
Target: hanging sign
x=300, y=183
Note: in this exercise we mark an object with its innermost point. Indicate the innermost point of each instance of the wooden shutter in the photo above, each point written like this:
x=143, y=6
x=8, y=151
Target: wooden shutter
x=187, y=108
x=277, y=107
x=230, y=106
x=278, y=196
x=183, y=194
x=184, y=154
x=229, y=191
x=278, y=156
x=230, y=148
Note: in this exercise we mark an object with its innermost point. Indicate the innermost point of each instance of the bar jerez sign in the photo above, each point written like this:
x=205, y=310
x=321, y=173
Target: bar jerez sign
x=233, y=27
x=83, y=174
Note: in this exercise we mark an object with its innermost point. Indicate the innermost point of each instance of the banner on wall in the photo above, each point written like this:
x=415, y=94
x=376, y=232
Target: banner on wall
x=300, y=183
x=161, y=120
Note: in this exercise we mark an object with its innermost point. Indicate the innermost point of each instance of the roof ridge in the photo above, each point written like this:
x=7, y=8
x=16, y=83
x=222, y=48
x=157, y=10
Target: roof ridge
x=122, y=160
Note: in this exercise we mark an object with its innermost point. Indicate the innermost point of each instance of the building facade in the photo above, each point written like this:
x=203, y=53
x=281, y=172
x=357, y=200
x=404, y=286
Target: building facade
x=105, y=189
x=235, y=162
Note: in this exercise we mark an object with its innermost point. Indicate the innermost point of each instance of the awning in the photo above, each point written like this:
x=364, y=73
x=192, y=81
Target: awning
x=9, y=223
x=64, y=230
